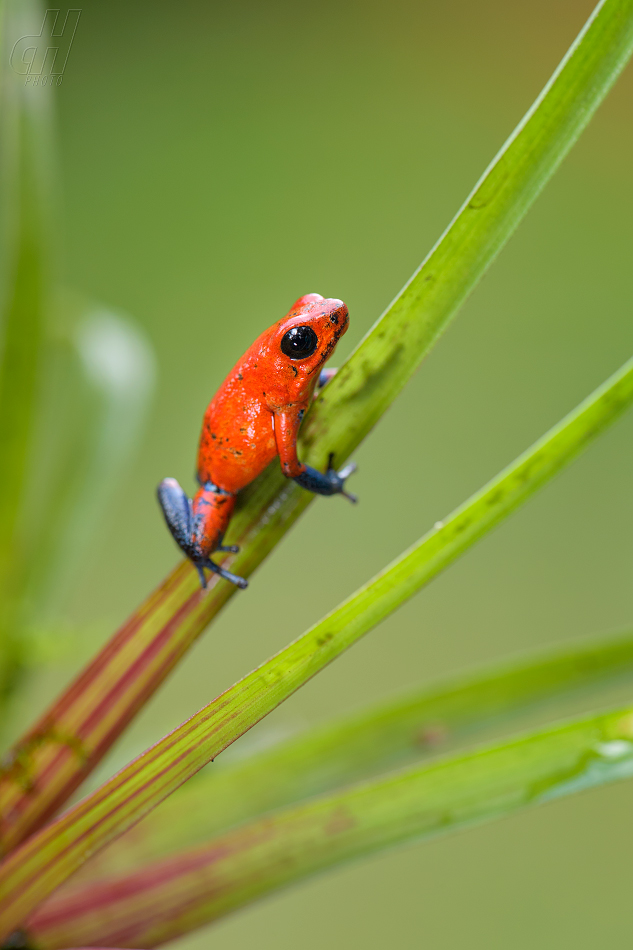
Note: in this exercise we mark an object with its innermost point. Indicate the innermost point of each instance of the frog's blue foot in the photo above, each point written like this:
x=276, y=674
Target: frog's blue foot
x=230, y=548
x=240, y=582
x=325, y=376
x=329, y=482
x=179, y=515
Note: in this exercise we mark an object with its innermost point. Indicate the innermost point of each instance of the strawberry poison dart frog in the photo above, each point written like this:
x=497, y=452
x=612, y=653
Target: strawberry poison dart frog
x=254, y=416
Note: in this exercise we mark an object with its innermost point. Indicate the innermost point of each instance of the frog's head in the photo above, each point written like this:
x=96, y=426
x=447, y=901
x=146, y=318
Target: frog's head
x=307, y=335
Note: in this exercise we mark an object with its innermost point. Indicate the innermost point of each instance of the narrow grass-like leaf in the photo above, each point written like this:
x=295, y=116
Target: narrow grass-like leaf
x=383, y=737
x=172, y=897
x=52, y=760
x=49, y=857
x=25, y=242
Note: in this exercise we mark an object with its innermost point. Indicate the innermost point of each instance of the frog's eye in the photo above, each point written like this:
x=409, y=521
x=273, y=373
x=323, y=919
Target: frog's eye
x=299, y=343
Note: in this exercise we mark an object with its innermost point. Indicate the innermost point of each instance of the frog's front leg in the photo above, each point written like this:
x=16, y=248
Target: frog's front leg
x=198, y=526
x=325, y=376
x=329, y=482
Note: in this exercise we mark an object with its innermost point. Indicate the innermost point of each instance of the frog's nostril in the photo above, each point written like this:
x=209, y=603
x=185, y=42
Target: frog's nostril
x=338, y=312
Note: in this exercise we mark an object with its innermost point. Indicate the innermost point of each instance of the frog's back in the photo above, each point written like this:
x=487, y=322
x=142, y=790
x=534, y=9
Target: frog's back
x=238, y=436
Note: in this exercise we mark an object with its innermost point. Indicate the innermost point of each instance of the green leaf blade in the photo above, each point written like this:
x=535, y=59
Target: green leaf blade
x=49, y=857
x=173, y=897
x=373, y=741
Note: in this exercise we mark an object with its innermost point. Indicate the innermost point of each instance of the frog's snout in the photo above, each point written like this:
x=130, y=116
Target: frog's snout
x=339, y=315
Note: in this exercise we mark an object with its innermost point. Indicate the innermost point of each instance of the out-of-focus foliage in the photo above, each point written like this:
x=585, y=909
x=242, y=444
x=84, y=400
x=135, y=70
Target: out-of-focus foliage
x=103, y=371
x=75, y=378
x=388, y=736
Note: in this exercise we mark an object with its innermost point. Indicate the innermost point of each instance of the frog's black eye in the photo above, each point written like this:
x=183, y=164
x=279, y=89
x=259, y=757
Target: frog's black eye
x=299, y=343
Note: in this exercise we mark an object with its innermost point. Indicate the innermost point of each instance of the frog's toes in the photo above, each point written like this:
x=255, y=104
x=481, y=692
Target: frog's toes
x=240, y=582
x=344, y=473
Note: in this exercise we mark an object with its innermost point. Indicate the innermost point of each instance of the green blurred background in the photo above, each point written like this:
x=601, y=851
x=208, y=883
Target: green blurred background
x=219, y=160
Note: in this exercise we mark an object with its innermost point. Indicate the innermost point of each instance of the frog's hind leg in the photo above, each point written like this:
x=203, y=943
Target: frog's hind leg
x=198, y=526
x=211, y=511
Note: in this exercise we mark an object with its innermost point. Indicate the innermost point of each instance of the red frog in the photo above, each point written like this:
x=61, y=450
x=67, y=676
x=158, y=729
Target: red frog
x=254, y=416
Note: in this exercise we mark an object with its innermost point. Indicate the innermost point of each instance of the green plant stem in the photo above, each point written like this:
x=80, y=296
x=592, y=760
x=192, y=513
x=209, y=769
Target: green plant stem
x=379, y=738
x=50, y=856
x=69, y=740
x=172, y=897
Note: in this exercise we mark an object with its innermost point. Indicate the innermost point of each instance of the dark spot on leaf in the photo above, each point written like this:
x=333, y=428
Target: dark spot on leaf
x=431, y=735
x=341, y=820
x=324, y=638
